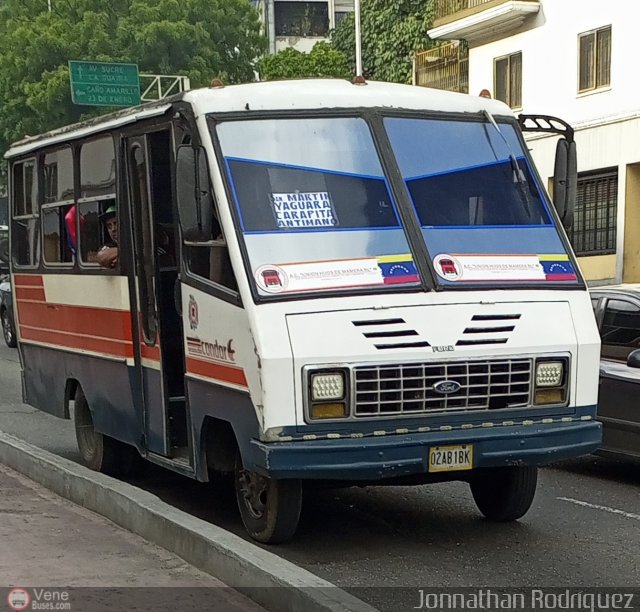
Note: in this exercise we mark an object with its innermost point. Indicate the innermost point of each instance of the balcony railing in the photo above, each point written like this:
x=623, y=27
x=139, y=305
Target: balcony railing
x=445, y=8
x=444, y=67
x=448, y=10
x=479, y=20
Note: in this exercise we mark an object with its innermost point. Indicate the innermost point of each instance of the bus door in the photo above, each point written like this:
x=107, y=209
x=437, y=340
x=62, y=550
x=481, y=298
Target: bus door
x=158, y=345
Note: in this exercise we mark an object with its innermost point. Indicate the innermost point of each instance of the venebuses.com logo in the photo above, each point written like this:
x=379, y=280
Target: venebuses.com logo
x=38, y=599
x=18, y=599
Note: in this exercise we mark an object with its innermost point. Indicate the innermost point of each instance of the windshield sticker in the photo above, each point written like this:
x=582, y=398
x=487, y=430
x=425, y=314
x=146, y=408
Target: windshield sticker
x=488, y=268
x=398, y=269
x=336, y=274
x=303, y=210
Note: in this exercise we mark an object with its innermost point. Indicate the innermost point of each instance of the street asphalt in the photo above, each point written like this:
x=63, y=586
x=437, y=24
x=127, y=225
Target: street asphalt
x=582, y=531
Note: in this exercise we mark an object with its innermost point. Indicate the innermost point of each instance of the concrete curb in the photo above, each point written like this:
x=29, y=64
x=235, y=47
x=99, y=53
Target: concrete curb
x=241, y=565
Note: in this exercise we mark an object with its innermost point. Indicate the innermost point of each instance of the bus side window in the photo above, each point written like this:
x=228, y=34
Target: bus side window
x=97, y=195
x=26, y=219
x=209, y=260
x=58, y=242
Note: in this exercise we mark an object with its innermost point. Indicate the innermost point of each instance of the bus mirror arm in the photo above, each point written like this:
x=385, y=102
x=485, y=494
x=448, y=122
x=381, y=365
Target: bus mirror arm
x=565, y=175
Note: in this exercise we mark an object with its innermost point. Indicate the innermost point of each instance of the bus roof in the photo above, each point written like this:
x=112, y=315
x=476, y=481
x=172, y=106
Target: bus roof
x=309, y=94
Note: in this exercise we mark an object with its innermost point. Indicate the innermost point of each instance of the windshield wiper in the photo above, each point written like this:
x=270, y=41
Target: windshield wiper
x=519, y=178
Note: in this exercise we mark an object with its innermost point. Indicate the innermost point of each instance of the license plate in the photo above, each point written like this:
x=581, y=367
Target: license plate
x=451, y=458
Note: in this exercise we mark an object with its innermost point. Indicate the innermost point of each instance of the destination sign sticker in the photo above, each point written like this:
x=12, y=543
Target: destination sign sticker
x=304, y=210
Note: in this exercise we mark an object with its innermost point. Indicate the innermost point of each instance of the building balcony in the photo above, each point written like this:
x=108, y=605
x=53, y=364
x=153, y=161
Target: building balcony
x=479, y=20
x=444, y=67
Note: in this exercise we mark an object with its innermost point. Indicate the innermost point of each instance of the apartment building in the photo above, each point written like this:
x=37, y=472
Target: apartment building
x=574, y=60
x=300, y=23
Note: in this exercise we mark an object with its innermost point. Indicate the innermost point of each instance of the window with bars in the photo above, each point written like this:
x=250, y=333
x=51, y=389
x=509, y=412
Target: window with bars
x=594, y=225
x=595, y=59
x=294, y=18
x=507, y=79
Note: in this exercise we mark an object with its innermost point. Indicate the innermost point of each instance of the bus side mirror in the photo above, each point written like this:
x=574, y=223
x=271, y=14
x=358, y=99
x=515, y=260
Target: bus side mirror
x=193, y=187
x=565, y=181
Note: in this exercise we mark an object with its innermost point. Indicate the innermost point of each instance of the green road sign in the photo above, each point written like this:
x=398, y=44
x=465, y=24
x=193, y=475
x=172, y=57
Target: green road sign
x=103, y=84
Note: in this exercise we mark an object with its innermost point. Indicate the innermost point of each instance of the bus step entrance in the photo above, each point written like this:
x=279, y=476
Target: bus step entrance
x=178, y=425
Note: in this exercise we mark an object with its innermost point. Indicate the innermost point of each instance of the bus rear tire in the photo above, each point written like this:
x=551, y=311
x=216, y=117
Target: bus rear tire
x=99, y=452
x=505, y=494
x=270, y=509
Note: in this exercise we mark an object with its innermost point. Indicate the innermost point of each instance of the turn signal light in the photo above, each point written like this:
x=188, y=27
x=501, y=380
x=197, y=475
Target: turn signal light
x=328, y=411
x=549, y=396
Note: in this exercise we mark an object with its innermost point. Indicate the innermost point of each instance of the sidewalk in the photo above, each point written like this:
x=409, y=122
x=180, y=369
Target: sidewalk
x=47, y=541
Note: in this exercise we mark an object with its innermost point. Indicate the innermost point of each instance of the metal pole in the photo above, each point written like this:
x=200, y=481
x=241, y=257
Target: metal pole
x=271, y=25
x=358, y=39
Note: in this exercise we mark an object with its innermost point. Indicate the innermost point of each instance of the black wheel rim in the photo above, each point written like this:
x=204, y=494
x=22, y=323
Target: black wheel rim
x=6, y=328
x=253, y=490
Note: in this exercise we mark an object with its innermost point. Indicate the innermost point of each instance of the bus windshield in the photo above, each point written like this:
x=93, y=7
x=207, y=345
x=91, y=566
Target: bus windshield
x=314, y=206
x=317, y=213
x=483, y=216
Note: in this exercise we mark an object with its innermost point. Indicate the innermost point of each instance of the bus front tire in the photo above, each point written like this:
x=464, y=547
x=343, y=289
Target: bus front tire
x=270, y=509
x=506, y=493
x=8, y=330
x=99, y=452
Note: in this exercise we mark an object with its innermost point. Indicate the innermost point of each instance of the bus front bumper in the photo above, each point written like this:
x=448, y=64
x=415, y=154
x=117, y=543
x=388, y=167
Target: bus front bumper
x=378, y=458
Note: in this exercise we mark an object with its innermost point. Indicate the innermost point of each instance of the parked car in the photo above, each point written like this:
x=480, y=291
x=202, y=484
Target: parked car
x=6, y=313
x=6, y=302
x=617, y=310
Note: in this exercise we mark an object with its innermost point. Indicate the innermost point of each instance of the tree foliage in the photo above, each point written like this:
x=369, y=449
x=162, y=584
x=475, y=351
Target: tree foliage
x=392, y=31
x=322, y=61
x=198, y=38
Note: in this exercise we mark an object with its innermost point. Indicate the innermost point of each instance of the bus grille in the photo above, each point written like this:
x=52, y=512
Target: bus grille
x=385, y=390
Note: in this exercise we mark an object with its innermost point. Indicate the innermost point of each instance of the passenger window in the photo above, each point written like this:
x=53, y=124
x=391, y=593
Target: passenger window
x=24, y=188
x=26, y=228
x=210, y=260
x=97, y=197
x=58, y=176
x=59, y=235
x=620, y=329
x=93, y=228
x=58, y=244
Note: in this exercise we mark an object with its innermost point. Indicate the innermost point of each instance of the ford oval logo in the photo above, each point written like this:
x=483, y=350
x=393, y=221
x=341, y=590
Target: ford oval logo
x=445, y=387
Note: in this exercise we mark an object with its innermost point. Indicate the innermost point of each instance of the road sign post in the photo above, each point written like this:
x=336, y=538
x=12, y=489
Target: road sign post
x=104, y=84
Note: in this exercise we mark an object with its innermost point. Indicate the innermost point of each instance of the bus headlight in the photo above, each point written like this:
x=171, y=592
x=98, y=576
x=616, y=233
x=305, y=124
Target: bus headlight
x=549, y=373
x=328, y=386
x=551, y=382
x=328, y=394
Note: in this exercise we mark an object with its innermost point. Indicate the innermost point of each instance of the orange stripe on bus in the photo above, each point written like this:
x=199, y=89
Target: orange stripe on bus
x=216, y=371
x=105, y=323
x=149, y=352
x=29, y=293
x=114, y=348
x=33, y=280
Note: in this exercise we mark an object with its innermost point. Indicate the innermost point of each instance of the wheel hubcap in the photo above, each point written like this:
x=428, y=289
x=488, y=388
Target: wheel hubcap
x=253, y=488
